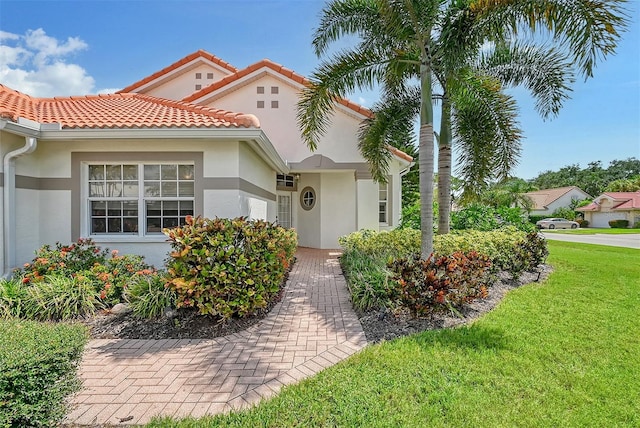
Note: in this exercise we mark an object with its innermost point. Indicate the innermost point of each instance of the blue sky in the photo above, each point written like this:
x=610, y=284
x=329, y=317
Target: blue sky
x=50, y=48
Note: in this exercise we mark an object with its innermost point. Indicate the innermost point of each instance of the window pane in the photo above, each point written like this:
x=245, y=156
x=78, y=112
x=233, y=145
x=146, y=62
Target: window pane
x=154, y=224
x=96, y=189
x=130, y=188
x=130, y=224
x=98, y=208
x=114, y=172
x=114, y=209
x=186, y=208
x=98, y=225
x=170, y=222
x=169, y=172
x=185, y=172
x=96, y=172
x=185, y=189
x=170, y=208
x=114, y=190
x=130, y=172
x=114, y=225
x=154, y=208
x=130, y=209
x=169, y=189
x=152, y=189
x=152, y=172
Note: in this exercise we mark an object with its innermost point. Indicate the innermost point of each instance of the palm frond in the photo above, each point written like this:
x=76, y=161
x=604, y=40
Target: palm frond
x=546, y=72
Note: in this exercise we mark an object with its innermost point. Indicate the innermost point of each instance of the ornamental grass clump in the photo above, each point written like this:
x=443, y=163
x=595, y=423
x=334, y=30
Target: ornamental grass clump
x=228, y=267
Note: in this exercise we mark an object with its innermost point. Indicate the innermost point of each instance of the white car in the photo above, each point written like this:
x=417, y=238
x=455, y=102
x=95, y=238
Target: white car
x=556, y=223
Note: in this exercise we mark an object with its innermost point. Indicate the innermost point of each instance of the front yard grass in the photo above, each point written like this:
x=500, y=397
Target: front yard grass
x=559, y=353
x=588, y=231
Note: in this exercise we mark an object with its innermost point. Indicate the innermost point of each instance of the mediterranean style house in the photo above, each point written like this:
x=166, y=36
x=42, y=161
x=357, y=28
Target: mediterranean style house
x=613, y=206
x=119, y=168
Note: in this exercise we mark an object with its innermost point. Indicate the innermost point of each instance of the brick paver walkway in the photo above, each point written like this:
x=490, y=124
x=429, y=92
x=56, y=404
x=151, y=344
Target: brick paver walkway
x=312, y=328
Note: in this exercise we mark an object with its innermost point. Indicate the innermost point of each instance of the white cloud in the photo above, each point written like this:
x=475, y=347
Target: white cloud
x=38, y=65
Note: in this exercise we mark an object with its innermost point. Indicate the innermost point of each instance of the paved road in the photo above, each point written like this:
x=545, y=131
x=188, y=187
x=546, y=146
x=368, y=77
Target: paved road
x=629, y=241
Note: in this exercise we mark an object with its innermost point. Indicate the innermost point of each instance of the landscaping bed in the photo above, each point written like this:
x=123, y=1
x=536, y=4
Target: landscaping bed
x=385, y=324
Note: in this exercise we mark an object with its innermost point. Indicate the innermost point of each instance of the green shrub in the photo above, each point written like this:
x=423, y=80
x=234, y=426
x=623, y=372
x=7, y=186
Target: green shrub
x=486, y=218
x=564, y=212
x=533, y=219
x=637, y=225
x=583, y=223
x=445, y=282
x=38, y=365
x=618, y=224
x=112, y=277
x=57, y=297
x=366, y=255
x=368, y=281
x=228, y=267
x=149, y=295
x=12, y=294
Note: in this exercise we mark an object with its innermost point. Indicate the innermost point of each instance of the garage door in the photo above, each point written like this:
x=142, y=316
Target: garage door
x=602, y=219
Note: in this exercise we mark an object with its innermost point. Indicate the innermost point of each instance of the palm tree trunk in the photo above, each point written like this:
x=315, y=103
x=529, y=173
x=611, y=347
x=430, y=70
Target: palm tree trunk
x=426, y=154
x=444, y=168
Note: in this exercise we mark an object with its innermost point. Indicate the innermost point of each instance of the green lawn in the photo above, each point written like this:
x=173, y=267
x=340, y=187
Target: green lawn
x=595, y=231
x=560, y=353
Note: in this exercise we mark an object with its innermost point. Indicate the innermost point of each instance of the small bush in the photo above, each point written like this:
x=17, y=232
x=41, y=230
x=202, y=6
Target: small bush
x=150, y=295
x=228, y=267
x=38, y=364
x=533, y=219
x=440, y=283
x=486, y=218
x=368, y=281
x=63, y=260
x=583, y=223
x=12, y=294
x=637, y=225
x=618, y=224
x=564, y=212
x=111, y=277
x=56, y=297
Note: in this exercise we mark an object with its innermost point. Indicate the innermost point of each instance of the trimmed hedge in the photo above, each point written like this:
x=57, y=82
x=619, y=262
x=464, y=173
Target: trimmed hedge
x=228, y=267
x=618, y=224
x=38, y=364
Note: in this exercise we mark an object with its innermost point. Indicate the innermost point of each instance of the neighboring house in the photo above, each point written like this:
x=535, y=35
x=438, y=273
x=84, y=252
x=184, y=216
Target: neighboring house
x=546, y=201
x=120, y=167
x=613, y=206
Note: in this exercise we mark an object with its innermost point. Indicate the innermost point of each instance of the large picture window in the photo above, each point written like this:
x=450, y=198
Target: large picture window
x=139, y=198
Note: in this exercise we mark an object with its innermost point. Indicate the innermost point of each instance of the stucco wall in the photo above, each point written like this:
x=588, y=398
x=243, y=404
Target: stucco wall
x=184, y=81
x=338, y=207
x=45, y=204
x=280, y=124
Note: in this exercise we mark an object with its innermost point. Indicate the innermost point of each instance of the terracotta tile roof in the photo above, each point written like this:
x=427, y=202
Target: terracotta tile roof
x=187, y=59
x=625, y=201
x=400, y=154
x=117, y=111
x=278, y=69
x=542, y=198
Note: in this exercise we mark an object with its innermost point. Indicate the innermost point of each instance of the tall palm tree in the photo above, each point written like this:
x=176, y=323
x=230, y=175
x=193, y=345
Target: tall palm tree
x=400, y=40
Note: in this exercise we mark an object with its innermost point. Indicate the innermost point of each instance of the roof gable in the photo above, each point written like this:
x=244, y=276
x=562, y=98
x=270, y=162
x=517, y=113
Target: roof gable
x=620, y=200
x=543, y=198
x=167, y=72
x=117, y=111
x=274, y=68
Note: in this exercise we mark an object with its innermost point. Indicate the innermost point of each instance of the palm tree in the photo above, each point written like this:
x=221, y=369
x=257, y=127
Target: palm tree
x=404, y=39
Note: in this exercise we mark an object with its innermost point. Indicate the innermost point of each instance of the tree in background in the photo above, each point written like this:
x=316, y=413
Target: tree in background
x=624, y=185
x=593, y=179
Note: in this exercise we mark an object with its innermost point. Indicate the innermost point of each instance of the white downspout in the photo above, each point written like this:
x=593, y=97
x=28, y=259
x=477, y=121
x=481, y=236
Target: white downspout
x=9, y=205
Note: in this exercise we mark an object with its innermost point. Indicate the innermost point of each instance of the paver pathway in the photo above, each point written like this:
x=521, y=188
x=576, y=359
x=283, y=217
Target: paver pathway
x=313, y=327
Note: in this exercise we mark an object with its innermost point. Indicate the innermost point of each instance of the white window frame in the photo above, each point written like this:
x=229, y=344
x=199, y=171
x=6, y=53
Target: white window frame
x=141, y=234
x=383, y=202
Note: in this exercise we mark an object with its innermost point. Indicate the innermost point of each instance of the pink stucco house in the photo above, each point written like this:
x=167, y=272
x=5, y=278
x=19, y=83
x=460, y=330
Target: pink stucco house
x=199, y=137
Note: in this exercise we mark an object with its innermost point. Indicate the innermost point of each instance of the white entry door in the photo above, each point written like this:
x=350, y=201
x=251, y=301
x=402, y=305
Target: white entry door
x=284, y=210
